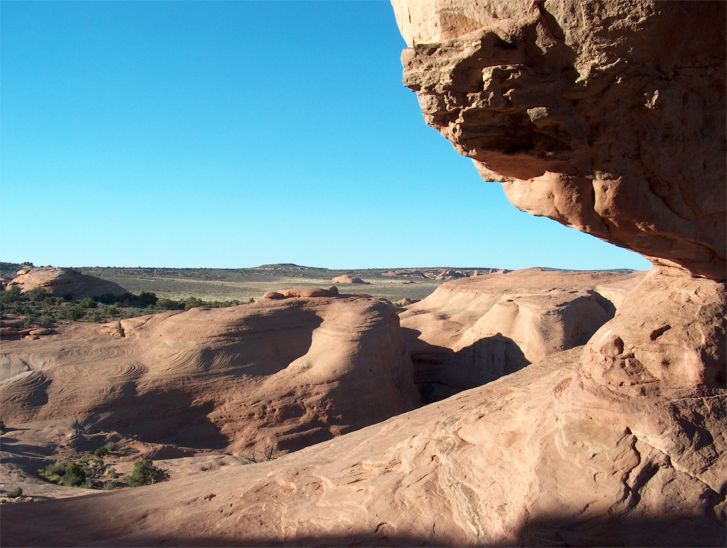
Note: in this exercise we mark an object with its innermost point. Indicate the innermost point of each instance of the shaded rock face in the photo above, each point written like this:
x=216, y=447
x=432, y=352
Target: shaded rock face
x=606, y=116
x=473, y=331
x=63, y=282
x=282, y=374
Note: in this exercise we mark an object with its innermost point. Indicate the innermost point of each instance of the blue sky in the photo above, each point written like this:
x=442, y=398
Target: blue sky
x=230, y=134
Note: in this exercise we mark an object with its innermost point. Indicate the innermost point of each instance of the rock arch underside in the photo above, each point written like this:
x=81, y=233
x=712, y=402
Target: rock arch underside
x=607, y=116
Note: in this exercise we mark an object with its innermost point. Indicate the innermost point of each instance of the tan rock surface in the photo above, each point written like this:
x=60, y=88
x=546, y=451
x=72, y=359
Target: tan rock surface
x=474, y=330
x=62, y=282
x=524, y=459
x=347, y=279
x=275, y=373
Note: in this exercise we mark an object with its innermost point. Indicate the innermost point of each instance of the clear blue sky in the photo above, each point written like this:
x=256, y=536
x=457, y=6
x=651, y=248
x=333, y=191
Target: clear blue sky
x=233, y=134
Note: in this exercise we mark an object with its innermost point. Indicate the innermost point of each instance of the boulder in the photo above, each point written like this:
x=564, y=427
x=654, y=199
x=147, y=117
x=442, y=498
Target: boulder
x=64, y=282
x=347, y=279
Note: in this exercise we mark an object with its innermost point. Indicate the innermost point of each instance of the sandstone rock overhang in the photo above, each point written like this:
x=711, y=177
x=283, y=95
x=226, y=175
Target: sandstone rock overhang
x=605, y=116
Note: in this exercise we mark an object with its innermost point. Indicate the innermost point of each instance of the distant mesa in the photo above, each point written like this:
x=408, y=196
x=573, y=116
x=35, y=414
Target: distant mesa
x=347, y=279
x=283, y=266
x=64, y=282
x=439, y=274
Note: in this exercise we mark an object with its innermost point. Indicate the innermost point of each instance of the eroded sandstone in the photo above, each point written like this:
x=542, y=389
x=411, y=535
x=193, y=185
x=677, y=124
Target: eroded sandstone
x=64, y=282
x=281, y=374
x=475, y=330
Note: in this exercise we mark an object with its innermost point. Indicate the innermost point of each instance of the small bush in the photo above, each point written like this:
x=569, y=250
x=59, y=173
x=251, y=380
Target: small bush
x=69, y=474
x=94, y=316
x=169, y=304
x=15, y=493
x=145, y=299
x=145, y=473
x=88, y=302
x=72, y=313
x=105, y=449
x=37, y=294
x=45, y=320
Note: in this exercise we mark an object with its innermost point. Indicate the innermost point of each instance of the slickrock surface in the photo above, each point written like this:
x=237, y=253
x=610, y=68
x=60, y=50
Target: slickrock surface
x=275, y=373
x=472, y=331
x=604, y=115
x=62, y=282
x=535, y=458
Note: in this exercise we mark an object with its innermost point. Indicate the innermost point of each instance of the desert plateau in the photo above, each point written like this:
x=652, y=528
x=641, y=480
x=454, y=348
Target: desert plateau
x=401, y=405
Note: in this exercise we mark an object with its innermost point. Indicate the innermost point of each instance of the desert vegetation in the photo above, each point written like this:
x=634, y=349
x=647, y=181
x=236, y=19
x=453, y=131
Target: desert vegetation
x=91, y=472
x=37, y=308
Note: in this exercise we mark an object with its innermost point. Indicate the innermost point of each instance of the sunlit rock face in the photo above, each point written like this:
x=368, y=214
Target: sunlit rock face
x=607, y=116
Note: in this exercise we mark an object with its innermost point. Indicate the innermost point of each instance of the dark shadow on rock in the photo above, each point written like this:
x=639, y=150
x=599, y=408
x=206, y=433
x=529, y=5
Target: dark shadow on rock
x=161, y=416
x=440, y=372
x=666, y=530
x=49, y=524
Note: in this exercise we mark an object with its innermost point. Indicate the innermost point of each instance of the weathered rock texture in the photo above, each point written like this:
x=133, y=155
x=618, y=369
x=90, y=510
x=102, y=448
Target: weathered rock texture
x=475, y=330
x=275, y=373
x=604, y=115
x=526, y=459
x=64, y=282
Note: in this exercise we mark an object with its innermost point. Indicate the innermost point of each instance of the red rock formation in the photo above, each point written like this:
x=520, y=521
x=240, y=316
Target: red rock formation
x=606, y=116
x=63, y=282
x=599, y=126
x=281, y=373
x=475, y=330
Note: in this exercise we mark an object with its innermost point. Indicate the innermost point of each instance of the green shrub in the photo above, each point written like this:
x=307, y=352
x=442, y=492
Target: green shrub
x=105, y=449
x=15, y=493
x=45, y=320
x=94, y=316
x=10, y=295
x=69, y=474
x=72, y=313
x=145, y=299
x=145, y=473
x=169, y=304
x=88, y=302
x=37, y=294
